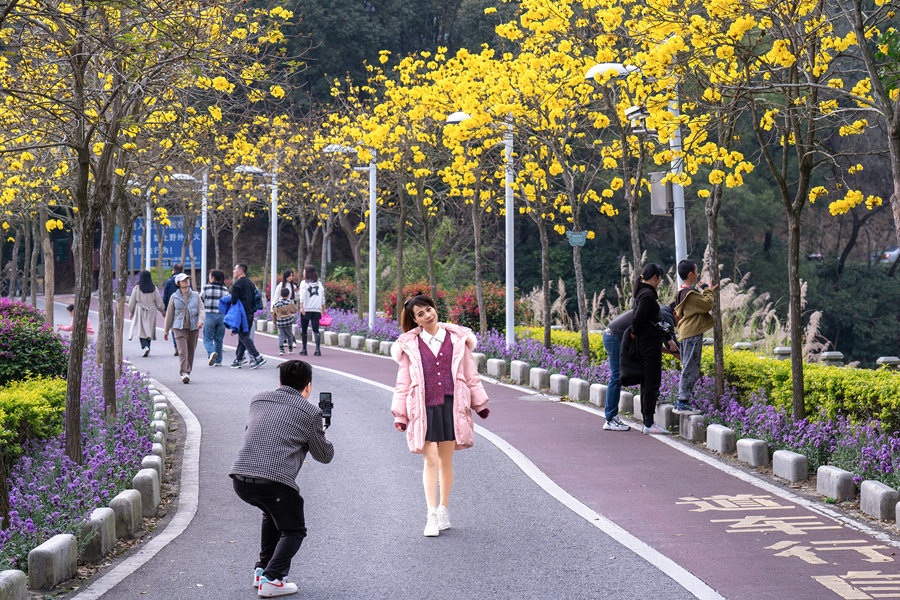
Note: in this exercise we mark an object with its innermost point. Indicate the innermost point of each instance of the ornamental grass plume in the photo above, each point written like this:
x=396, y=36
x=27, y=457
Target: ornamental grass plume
x=49, y=494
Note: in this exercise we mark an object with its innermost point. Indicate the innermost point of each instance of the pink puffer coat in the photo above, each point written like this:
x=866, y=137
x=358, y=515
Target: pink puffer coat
x=408, y=405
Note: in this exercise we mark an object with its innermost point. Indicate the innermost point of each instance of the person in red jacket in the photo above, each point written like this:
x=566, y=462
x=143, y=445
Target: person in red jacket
x=437, y=389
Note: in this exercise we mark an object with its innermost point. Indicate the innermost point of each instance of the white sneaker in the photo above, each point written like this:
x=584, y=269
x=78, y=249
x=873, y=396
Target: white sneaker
x=212, y=358
x=615, y=424
x=185, y=378
x=443, y=518
x=275, y=587
x=654, y=430
x=146, y=351
x=257, y=575
x=431, y=526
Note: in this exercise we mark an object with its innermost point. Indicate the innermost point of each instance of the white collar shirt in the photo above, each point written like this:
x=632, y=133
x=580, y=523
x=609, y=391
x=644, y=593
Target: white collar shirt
x=434, y=342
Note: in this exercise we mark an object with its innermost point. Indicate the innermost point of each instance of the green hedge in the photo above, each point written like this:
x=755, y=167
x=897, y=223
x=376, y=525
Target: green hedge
x=30, y=409
x=860, y=393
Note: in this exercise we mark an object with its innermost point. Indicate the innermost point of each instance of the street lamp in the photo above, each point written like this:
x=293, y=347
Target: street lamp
x=675, y=145
x=373, y=205
x=455, y=119
x=252, y=170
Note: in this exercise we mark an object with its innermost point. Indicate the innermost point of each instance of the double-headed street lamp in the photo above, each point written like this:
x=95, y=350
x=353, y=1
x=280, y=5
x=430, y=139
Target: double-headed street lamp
x=674, y=144
x=455, y=119
x=273, y=186
x=373, y=205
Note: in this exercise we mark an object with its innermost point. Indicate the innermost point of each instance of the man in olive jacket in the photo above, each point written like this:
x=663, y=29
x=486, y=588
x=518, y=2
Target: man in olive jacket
x=692, y=313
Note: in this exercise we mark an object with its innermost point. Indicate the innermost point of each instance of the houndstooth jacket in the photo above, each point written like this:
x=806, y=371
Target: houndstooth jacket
x=282, y=427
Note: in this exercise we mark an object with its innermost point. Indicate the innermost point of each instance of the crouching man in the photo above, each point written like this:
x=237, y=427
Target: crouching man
x=282, y=427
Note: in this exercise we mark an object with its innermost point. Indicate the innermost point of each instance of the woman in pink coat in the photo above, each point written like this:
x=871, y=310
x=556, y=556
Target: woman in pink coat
x=437, y=389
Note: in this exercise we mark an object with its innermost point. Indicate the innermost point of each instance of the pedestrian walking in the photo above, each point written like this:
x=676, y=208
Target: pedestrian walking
x=283, y=312
x=312, y=303
x=184, y=317
x=169, y=288
x=648, y=334
x=243, y=290
x=214, y=324
x=143, y=306
x=287, y=281
x=692, y=307
x=438, y=387
x=282, y=427
x=612, y=343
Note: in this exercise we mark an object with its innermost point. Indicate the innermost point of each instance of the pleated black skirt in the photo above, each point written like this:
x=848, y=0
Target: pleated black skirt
x=440, y=421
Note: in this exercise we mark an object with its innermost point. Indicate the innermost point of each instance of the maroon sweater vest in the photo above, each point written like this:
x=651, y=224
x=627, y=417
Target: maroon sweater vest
x=438, y=371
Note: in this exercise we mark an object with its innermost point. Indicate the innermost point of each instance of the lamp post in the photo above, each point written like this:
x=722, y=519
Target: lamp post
x=455, y=119
x=675, y=145
x=373, y=206
x=273, y=186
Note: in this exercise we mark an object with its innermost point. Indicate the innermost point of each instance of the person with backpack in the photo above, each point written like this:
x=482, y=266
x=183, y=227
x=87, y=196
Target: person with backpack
x=243, y=289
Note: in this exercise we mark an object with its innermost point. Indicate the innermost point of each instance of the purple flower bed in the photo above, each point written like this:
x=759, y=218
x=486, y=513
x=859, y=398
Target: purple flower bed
x=49, y=494
x=345, y=321
x=558, y=359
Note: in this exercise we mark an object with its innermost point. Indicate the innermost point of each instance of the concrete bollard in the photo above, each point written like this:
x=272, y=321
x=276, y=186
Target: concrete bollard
x=579, y=390
x=385, y=347
x=720, y=439
x=372, y=345
x=154, y=462
x=496, y=367
x=53, y=562
x=13, y=585
x=271, y=327
x=782, y=352
x=559, y=384
x=790, y=465
x=539, y=379
x=835, y=483
x=100, y=530
x=888, y=362
x=692, y=427
x=598, y=394
x=160, y=426
x=480, y=362
x=664, y=417
x=344, y=340
x=832, y=359
x=260, y=326
x=159, y=449
x=128, y=510
x=742, y=346
x=519, y=371
x=878, y=500
x=636, y=406
x=330, y=338
x=146, y=481
x=626, y=402
x=357, y=342
x=754, y=452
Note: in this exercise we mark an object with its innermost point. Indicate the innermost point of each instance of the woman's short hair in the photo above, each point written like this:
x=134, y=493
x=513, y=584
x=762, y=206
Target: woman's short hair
x=408, y=316
x=309, y=274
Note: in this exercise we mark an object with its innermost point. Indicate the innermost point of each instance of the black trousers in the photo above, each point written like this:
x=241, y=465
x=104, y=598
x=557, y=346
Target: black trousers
x=650, y=349
x=245, y=342
x=283, y=525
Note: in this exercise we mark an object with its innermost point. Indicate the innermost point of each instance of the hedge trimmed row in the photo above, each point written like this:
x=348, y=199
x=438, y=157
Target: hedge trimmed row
x=30, y=409
x=859, y=393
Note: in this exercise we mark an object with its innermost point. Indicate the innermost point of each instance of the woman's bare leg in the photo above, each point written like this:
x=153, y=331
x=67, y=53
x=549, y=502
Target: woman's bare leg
x=430, y=473
x=445, y=456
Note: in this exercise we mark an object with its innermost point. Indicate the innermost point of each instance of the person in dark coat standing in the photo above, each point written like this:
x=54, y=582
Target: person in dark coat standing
x=649, y=337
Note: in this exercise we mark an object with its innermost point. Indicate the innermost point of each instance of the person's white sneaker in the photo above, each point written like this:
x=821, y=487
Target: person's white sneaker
x=443, y=518
x=257, y=575
x=146, y=351
x=212, y=358
x=431, y=526
x=275, y=587
x=654, y=430
x=185, y=378
x=615, y=424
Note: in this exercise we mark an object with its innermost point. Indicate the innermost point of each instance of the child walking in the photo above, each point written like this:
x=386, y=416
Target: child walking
x=692, y=312
x=437, y=389
x=283, y=312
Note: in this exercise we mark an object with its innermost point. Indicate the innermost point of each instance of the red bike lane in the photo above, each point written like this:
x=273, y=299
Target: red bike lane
x=744, y=541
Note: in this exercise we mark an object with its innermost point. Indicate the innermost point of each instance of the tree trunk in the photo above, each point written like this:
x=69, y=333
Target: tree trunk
x=356, y=242
x=216, y=250
x=35, y=253
x=794, y=314
x=193, y=264
x=582, y=303
x=105, y=343
x=26, y=229
x=545, y=279
x=326, y=236
x=401, y=231
x=479, y=279
x=49, y=271
x=429, y=252
x=4, y=495
x=15, y=261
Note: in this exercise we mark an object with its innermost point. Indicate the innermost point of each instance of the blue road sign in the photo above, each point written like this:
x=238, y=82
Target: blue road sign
x=172, y=244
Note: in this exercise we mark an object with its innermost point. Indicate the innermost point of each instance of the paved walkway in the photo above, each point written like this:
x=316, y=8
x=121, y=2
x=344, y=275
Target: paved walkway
x=547, y=504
